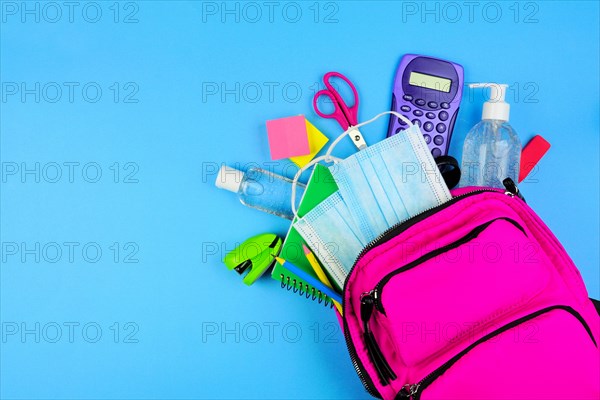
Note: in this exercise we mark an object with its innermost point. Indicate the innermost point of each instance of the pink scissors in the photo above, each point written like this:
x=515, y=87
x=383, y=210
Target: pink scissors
x=344, y=115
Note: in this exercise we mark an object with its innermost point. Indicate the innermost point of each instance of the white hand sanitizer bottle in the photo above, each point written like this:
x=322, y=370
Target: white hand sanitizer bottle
x=261, y=189
x=492, y=149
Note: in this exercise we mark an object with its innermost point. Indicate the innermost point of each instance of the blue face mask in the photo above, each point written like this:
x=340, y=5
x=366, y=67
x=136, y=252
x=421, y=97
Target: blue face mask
x=379, y=187
x=390, y=182
x=330, y=232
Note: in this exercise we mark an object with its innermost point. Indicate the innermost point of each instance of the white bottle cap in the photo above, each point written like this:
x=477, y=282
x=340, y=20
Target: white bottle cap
x=495, y=107
x=229, y=179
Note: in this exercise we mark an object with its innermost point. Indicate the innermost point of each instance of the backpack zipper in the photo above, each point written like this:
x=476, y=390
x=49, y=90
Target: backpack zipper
x=400, y=227
x=384, y=371
x=414, y=391
x=511, y=190
x=365, y=379
x=372, y=299
x=389, y=233
x=378, y=291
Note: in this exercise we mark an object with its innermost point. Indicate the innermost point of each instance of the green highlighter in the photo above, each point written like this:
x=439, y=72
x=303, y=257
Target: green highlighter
x=256, y=254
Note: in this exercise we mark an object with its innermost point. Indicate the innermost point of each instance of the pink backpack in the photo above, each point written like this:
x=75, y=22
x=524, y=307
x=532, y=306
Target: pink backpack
x=473, y=299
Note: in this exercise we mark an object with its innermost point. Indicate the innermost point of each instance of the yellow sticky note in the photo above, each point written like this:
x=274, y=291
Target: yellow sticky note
x=316, y=141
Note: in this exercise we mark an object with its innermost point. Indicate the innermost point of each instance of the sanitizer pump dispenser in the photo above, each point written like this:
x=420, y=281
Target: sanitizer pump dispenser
x=492, y=148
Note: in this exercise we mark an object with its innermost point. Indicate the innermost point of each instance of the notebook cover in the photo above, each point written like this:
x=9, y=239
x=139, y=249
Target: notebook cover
x=320, y=186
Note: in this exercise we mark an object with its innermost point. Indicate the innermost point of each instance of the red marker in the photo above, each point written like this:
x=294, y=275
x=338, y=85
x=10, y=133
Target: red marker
x=531, y=154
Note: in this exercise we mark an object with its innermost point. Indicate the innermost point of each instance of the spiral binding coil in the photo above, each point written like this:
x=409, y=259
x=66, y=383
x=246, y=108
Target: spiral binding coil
x=305, y=290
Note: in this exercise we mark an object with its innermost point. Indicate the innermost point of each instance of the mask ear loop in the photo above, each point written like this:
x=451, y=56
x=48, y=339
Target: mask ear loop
x=402, y=117
x=328, y=158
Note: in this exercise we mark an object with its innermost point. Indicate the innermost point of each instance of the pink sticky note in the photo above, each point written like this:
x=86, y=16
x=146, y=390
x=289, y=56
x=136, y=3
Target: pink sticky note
x=288, y=137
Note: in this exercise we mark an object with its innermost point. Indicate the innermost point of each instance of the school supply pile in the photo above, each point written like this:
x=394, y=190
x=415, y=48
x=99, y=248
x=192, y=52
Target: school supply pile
x=380, y=186
x=320, y=186
x=432, y=286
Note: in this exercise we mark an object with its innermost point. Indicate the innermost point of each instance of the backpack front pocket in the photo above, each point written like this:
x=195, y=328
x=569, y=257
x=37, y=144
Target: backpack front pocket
x=479, y=279
x=523, y=359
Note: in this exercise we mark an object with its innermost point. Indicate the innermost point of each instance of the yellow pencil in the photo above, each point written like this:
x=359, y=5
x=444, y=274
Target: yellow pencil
x=320, y=273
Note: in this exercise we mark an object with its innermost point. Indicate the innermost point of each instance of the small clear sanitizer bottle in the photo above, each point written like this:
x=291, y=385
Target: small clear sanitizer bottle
x=261, y=189
x=492, y=149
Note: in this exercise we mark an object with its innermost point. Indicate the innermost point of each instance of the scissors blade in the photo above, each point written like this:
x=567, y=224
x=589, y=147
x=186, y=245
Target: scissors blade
x=357, y=139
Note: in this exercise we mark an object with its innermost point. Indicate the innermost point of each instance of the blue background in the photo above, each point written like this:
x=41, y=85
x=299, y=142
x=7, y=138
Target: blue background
x=178, y=293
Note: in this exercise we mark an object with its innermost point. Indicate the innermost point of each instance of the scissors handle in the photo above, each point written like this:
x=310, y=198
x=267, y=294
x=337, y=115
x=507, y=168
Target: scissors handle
x=350, y=112
x=337, y=113
x=344, y=115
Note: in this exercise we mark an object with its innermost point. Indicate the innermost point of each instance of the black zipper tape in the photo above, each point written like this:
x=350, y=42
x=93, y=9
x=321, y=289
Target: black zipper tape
x=416, y=390
x=432, y=254
x=387, y=235
x=383, y=368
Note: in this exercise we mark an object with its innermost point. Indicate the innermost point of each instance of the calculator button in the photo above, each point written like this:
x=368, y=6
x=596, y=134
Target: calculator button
x=401, y=122
x=438, y=140
x=432, y=104
x=443, y=115
x=405, y=108
x=441, y=128
x=420, y=102
x=436, y=152
x=407, y=97
x=418, y=113
x=416, y=122
x=427, y=139
x=428, y=126
x=430, y=115
x=445, y=105
x=398, y=130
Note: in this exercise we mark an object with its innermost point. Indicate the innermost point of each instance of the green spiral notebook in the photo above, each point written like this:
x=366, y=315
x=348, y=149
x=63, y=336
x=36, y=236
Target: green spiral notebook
x=320, y=186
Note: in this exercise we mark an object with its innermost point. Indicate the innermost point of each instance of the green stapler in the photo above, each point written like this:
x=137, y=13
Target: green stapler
x=254, y=256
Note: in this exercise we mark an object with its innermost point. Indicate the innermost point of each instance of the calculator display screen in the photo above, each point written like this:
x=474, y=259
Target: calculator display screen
x=430, y=82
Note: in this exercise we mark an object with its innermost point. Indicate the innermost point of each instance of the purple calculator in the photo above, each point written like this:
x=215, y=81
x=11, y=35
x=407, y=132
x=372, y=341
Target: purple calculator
x=427, y=91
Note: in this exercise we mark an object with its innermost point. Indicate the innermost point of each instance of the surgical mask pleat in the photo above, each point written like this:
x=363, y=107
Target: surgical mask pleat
x=352, y=178
x=396, y=211
x=329, y=231
x=389, y=182
x=378, y=197
x=344, y=215
x=417, y=171
x=405, y=166
x=347, y=246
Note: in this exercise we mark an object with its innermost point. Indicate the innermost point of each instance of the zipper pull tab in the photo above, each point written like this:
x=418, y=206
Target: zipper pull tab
x=367, y=303
x=512, y=189
x=384, y=370
x=408, y=391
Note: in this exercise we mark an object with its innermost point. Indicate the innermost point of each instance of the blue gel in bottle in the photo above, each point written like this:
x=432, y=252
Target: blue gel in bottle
x=261, y=189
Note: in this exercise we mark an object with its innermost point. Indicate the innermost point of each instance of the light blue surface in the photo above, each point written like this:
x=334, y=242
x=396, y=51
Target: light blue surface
x=175, y=136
